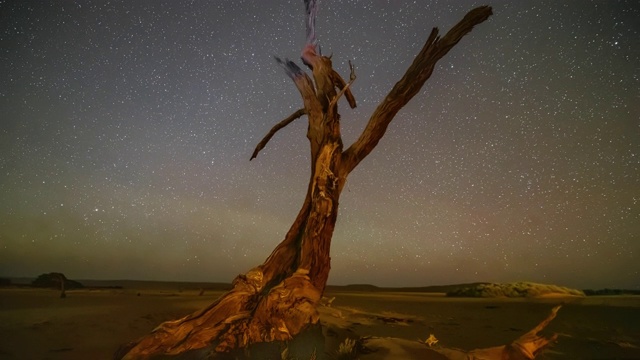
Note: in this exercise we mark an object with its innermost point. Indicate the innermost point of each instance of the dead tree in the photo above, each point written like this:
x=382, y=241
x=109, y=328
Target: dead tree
x=277, y=300
x=61, y=279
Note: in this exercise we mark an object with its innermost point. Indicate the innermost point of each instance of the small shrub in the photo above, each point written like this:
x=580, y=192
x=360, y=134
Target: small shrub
x=347, y=350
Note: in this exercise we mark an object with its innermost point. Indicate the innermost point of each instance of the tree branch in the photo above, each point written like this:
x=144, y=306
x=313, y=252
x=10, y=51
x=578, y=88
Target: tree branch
x=311, y=8
x=304, y=85
x=274, y=129
x=412, y=81
x=344, y=88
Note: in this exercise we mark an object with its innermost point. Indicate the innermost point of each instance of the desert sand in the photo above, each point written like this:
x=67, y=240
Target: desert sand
x=93, y=323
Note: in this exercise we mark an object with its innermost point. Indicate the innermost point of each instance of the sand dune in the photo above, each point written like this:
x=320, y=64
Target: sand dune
x=516, y=289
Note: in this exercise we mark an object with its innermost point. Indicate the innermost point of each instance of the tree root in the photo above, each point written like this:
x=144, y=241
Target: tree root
x=526, y=347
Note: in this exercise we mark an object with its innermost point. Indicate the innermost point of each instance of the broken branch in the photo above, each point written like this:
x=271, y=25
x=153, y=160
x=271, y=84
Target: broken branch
x=274, y=129
x=410, y=84
x=345, y=88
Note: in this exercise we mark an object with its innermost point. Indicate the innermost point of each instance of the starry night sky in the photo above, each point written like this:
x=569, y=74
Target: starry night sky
x=127, y=127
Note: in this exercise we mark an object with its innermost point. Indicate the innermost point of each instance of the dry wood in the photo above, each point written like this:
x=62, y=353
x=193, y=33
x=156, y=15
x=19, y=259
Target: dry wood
x=278, y=299
x=412, y=81
x=275, y=129
x=526, y=347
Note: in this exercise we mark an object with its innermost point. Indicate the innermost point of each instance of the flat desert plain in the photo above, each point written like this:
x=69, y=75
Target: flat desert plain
x=93, y=323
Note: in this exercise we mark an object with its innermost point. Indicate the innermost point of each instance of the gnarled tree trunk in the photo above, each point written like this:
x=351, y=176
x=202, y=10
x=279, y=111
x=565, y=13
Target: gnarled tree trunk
x=277, y=300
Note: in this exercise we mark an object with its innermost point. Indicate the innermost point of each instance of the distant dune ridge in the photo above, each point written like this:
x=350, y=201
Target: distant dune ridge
x=516, y=289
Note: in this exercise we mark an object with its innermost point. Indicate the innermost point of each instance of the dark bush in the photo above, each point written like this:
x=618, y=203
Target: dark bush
x=52, y=280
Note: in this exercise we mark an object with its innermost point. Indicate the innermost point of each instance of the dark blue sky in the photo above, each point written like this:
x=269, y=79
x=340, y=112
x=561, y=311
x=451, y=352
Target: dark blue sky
x=127, y=126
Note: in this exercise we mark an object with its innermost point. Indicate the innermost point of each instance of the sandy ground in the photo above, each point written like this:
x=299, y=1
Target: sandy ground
x=92, y=324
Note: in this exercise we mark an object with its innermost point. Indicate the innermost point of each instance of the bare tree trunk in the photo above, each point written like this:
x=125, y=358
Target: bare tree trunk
x=63, y=294
x=277, y=300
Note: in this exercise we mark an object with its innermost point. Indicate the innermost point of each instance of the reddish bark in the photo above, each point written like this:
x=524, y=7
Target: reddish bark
x=277, y=300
